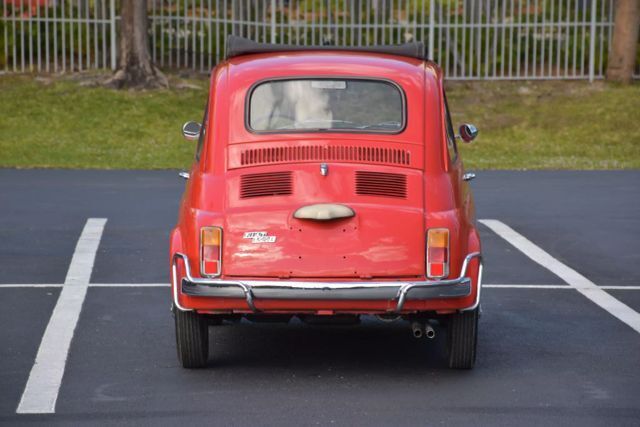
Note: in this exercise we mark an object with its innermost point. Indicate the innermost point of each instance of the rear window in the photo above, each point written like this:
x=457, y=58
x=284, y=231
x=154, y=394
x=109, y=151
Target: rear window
x=325, y=105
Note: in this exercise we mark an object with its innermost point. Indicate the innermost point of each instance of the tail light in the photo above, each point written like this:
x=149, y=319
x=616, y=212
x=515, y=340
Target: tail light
x=438, y=253
x=210, y=251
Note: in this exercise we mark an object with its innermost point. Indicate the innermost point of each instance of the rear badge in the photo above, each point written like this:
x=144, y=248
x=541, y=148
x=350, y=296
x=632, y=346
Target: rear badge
x=259, y=237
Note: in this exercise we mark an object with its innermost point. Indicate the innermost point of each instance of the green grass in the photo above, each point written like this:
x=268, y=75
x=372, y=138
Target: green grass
x=549, y=125
x=67, y=125
x=64, y=122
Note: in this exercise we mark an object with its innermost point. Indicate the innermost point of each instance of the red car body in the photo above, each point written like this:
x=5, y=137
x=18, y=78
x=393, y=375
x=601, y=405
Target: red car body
x=398, y=185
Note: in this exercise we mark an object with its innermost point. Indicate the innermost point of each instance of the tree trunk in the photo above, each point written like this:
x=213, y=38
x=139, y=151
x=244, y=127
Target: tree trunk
x=622, y=58
x=135, y=69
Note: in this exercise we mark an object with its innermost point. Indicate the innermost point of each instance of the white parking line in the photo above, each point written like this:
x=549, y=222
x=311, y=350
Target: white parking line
x=92, y=285
x=574, y=279
x=516, y=286
x=30, y=285
x=41, y=391
x=130, y=285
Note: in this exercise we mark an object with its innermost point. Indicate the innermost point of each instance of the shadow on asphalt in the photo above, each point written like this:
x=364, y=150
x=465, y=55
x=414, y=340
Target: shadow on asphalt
x=371, y=347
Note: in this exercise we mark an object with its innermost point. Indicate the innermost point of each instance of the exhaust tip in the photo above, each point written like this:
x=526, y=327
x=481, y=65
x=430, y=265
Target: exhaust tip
x=429, y=331
x=417, y=329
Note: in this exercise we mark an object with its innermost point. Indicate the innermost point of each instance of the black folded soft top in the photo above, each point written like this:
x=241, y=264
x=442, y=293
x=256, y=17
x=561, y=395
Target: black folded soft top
x=238, y=46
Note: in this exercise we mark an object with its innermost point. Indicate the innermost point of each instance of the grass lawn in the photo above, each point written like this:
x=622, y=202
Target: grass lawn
x=549, y=125
x=66, y=122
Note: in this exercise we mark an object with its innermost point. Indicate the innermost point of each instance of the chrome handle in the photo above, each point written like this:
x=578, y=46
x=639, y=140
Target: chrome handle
x=468, y=176
x=184, y=175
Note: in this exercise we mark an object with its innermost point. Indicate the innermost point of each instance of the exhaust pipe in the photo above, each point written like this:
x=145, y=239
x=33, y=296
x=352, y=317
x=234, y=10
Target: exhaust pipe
x=429, y=332
x=420, y=330
x=417, y=328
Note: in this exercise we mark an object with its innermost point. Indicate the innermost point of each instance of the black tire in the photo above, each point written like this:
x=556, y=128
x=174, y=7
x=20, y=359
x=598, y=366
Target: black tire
x=462, y=339
x=192, y=339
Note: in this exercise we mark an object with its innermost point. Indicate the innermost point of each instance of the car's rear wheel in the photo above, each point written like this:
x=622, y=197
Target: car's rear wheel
x=462, y=339
x=192, y=339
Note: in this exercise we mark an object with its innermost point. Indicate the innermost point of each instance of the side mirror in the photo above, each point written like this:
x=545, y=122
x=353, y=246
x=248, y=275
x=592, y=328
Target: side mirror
x=468, y=132
x=191, y=131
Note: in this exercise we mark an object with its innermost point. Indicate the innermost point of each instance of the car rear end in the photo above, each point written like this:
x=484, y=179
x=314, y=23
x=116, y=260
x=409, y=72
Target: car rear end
x=328, y=199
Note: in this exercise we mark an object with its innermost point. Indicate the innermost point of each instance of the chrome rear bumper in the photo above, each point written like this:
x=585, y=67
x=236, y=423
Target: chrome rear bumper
x=399, y=291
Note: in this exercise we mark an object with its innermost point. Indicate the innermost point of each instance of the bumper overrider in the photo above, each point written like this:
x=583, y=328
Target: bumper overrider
x=398, y=291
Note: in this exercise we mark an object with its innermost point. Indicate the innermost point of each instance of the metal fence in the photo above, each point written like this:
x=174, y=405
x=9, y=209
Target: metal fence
x=470, y=39
x=53, y=36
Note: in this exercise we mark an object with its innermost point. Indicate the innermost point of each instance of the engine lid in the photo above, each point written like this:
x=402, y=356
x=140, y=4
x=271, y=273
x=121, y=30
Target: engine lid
x=384, y=236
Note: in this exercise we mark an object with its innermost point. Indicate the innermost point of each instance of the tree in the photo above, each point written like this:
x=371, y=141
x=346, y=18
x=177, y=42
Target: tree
x=135, y=68
x=622, y=58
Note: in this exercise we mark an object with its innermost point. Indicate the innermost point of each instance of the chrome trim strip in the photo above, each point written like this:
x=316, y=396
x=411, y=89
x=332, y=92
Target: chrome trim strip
x=247, y=285
x=386, y=293
x=174, y=283
x=476, y=303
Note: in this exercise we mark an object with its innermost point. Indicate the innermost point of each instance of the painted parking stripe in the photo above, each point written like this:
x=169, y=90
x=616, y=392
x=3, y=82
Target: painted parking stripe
x=93, y=285
x=30, y=285
x=533, y=286
x=518, y=286
x=41, y=391
x=574, y=279
x=130, y=285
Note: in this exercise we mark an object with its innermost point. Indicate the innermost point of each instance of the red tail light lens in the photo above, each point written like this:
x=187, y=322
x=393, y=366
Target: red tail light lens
x=210, y=251
x=437, y=253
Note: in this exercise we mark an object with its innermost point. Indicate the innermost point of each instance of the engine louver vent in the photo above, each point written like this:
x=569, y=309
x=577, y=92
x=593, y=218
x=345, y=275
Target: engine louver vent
x=381, y=184
x=319, y=153
x=266, y=184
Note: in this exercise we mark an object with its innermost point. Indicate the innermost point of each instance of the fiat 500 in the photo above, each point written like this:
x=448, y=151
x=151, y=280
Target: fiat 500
x=326, y=185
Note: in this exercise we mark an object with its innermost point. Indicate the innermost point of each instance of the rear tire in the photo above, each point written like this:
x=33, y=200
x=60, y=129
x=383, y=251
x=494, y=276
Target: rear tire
x=192, y=339
x=462, y=339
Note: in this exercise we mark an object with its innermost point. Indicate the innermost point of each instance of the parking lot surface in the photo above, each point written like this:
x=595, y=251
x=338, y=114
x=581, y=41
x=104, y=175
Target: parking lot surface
x=559, y=335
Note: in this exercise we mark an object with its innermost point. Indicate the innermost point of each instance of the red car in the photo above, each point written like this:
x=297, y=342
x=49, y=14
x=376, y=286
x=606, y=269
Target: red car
x=326, y=185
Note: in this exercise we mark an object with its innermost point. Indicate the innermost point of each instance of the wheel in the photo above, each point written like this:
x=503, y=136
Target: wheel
x=462, y=339
x=192, y=339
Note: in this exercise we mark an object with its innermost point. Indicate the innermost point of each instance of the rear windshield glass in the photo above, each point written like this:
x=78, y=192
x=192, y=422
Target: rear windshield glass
x=326, y=105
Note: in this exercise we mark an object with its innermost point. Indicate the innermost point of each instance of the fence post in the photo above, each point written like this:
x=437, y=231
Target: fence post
x=432, y=30
x=592, y=42
x=273, y=21
x=112, y=6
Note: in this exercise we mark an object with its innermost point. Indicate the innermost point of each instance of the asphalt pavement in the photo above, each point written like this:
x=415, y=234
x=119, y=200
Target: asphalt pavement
x=547, y=354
